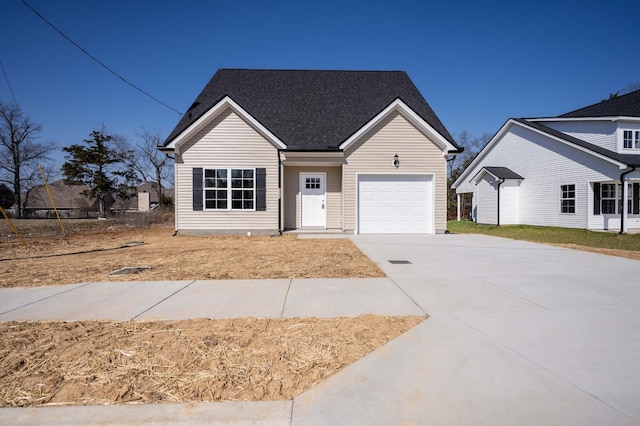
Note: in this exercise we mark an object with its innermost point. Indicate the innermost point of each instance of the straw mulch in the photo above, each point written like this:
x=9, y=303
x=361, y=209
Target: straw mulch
x=97, y=362
x=90, y=254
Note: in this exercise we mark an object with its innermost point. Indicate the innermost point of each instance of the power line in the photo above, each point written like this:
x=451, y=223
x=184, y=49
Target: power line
x=98, y=61
x=6, y=77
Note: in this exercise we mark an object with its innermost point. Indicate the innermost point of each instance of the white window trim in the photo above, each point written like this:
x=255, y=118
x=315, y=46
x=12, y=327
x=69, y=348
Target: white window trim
x=618, y=200
x=575, y=199
x=635, y=139
x=228, y=189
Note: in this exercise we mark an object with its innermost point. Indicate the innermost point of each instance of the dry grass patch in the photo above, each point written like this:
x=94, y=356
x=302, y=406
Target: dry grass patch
x=96, y=362
x=91, y=254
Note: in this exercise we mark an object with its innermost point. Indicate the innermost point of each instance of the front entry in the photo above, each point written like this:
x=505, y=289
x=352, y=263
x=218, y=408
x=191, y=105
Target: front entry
x=312, y=200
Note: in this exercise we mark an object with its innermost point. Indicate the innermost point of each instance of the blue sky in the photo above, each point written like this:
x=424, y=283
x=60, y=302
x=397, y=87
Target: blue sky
x=477, y=63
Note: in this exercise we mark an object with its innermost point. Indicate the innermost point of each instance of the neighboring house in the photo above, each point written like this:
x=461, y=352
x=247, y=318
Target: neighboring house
x=7, y=197
x=577, y=170
x=141, y=199
x=267, y=150
x=68, y=198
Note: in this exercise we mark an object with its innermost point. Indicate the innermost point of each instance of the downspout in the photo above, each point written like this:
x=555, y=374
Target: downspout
x=624, y=201
x=279, y=193
x=500, y=182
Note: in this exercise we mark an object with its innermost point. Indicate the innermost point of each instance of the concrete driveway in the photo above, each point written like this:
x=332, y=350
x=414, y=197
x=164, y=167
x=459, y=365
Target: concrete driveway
x=519, y=333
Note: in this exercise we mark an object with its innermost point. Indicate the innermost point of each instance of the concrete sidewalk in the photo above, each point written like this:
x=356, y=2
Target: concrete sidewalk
x=174, y=300
x=519, y=333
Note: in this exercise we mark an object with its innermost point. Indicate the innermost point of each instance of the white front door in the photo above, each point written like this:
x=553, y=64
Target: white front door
x=312, y=199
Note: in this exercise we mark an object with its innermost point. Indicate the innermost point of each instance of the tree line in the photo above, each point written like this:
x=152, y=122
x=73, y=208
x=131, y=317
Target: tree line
x=107, y=164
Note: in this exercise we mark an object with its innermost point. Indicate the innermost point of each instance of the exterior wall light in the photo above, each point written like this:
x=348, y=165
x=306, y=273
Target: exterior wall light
x=396, y=161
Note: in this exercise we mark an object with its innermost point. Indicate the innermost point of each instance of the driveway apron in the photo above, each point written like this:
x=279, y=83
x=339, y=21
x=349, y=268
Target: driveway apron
x=520, y=333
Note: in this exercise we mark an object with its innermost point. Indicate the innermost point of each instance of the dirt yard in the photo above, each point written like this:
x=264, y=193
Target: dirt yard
x=111, y=362
x=96, y=362
x=92, y=249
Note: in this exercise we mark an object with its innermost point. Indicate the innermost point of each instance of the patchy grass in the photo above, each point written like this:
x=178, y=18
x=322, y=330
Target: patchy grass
x=627, y=245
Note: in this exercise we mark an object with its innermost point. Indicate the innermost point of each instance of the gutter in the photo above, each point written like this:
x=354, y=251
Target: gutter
x=500, y=182
x=279, y=192
x=624, y=201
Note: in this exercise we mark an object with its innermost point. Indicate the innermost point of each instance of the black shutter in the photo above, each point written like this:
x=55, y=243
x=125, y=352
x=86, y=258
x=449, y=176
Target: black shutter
x=261, y=189
x=596, y=198
x=197, y=189
x=636, y=198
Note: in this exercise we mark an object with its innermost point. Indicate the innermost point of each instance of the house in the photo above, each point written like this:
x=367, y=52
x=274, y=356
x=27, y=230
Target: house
x=578, y=170
x=141, y=199
x=274, y=150
x=68, y=198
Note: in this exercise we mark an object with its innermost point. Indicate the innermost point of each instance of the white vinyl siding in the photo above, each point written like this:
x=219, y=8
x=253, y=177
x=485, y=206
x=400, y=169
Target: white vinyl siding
x=545, y=164
x=487, y=199
x=291, y=191
x=227, y=142
x=601, y=133
x=510, y=202
x=374, y=152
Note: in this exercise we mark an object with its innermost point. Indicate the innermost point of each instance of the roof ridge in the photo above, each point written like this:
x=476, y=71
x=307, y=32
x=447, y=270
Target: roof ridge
x=597, y=109
x=308, y=70
x=316, y=109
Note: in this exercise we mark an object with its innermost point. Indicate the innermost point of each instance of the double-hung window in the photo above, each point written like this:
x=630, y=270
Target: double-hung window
x=568, y=198
x=229, y=189
x=608, y=197
x=631, y=139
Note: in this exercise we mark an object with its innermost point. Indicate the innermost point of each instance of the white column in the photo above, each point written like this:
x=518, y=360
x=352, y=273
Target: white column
x=624, y=215
x=458, y=197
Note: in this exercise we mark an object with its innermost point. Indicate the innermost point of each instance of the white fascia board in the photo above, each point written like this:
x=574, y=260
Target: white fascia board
x=463, y=176
x=610, y=118
x=475, y=179
x=410, y=115
x=213, y=112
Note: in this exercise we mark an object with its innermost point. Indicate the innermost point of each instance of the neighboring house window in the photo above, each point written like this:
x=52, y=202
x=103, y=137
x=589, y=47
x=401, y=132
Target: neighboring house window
x=631, y=139
x=611, y=198
x=568, y=198
x=608, y=197
x=229, y=189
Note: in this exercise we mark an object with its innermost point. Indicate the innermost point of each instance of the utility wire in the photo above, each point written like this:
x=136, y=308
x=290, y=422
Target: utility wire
x=98, y=61
x=6, y=77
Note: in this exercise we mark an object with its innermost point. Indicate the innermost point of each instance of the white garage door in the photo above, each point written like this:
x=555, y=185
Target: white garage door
x=395, y=204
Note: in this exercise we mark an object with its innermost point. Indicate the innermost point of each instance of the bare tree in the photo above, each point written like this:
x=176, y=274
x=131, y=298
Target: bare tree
x=19, y=153
x=151, y=165
x=631, y=87
x=472, y=146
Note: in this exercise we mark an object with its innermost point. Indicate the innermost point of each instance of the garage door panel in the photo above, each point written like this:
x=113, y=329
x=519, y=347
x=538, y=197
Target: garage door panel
x=395, y=204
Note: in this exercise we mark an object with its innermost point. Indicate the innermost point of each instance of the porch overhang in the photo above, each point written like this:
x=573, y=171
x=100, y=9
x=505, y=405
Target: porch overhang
x=311, y=158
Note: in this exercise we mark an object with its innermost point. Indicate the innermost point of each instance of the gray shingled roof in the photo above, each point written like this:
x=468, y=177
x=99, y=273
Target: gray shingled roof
x=629, y=159
x=626, y=105
x=309, y=109
x=503, y=173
